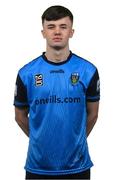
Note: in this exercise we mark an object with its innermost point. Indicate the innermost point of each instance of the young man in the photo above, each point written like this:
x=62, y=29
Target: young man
x=56, y=104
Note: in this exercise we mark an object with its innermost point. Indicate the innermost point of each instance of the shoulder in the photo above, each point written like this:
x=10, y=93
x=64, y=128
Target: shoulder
x=29, y=67
x=84, y=63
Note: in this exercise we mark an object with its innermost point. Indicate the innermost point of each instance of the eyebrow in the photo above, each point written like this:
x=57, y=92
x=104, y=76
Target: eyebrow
x=63, y=24
x=55, y=25
x=51, y=25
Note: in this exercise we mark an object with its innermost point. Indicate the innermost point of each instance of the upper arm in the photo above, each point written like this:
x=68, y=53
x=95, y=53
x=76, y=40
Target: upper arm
x=21, y=117
x=93, y=90
x=92, y=108
x=20, y=98
x=93, y=95
x=21, y=113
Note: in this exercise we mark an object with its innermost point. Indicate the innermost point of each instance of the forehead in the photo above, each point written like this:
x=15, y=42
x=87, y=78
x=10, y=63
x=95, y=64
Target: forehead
x=65, y=20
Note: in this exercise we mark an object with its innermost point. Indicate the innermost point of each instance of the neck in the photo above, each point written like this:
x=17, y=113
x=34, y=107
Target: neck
x=57, y=55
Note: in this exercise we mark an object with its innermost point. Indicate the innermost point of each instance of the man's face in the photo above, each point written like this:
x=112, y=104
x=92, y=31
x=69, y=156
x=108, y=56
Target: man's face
x=57, y=33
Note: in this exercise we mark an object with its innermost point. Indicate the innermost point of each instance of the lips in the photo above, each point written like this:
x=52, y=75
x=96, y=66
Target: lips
x=57, y=39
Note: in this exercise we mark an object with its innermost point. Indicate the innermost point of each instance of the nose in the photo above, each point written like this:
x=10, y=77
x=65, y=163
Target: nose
x=57, y=31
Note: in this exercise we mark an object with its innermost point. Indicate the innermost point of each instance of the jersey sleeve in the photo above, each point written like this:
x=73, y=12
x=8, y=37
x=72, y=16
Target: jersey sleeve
x=93, y=90
x=20, y=97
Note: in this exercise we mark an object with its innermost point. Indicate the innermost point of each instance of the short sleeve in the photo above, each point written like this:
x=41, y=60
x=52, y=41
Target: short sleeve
x=20, y=96
x=93, y=90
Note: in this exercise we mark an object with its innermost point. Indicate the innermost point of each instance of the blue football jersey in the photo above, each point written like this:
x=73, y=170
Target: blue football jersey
x=56, y=95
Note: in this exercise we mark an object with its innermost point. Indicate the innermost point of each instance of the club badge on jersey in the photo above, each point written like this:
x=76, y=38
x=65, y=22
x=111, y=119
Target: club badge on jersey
x=38, y=80
x=74, y=78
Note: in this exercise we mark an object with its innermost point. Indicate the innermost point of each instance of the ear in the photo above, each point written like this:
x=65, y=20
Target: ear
x=71, y=33
x=43, y=33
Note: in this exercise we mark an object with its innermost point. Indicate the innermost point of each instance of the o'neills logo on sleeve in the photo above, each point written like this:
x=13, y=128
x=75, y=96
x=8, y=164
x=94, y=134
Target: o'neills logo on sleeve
x=38, y=80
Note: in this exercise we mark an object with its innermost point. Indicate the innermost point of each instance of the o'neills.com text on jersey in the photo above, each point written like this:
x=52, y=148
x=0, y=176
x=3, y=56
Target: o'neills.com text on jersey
x=55, y=99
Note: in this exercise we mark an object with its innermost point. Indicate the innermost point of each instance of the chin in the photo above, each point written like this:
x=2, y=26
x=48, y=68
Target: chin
x=57, y=47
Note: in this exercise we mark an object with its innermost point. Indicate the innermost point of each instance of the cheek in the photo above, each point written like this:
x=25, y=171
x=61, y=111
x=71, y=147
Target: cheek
x=48, y=35
x=67, y=35
x=45, y=33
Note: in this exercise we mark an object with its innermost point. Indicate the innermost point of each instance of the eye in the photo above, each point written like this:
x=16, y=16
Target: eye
x=63, y=27
x=50, y=27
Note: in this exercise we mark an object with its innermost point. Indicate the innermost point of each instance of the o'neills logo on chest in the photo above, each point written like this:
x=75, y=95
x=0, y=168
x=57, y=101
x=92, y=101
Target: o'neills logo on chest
x=38, y=80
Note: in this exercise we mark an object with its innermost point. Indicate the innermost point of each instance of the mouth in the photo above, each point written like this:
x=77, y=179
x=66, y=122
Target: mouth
x=57, y=39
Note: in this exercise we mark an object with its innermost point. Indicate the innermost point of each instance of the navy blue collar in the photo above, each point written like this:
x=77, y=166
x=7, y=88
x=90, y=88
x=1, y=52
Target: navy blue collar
x=59, y=63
